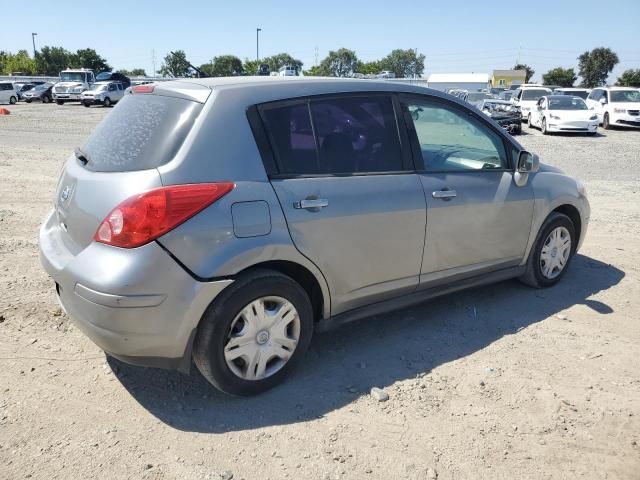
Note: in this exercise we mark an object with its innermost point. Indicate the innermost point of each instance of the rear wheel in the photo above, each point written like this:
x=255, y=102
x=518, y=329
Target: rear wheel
x=46, y=99
x=254, y=333
x=551, y=253
x=605, y=122
x=13, y=100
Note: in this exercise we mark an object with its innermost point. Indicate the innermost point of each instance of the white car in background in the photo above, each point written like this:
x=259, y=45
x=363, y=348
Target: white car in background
x=573, y=92
x=527, y=96
x=616, y=106
x=103, y=93
x=561, y=113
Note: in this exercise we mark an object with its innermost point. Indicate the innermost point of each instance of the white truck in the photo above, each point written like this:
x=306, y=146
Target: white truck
x=73, y=81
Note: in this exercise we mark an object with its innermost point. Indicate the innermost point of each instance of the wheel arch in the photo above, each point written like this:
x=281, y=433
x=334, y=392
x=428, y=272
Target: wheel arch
x=304, y=277
x=574, y=215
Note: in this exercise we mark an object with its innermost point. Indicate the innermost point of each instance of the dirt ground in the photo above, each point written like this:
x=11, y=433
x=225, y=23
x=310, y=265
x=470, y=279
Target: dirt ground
x=499, y=382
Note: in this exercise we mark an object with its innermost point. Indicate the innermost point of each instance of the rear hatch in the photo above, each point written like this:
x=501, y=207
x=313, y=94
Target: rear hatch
x=120, y=158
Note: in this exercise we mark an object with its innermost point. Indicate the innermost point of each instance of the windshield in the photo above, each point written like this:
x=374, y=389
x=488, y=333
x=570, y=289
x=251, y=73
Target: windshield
x=567, y=103
x=143, y=131
x=39, y=88
x=574, y=93
x=625, y=96
x=534, y=94
x=72, y=76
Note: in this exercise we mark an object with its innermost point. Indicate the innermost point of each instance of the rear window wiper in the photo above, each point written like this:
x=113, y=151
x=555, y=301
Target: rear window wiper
x=80, y=155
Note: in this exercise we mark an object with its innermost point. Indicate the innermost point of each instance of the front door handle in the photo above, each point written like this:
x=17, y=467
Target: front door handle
x=444, y=194
x=312, y=203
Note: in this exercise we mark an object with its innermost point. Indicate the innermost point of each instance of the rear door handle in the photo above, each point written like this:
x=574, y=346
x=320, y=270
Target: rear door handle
x=312, y=203
x=444, y=194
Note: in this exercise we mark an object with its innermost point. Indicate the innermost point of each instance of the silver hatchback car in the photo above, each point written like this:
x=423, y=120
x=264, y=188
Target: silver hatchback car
x=236, y=216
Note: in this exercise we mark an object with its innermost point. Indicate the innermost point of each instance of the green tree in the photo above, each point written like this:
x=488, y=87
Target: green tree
x=175, y=65
x=51, y=60
x=89, y=58
x=19, y=62
x=530, y=71
x=565, y=77
x=223, y=66
x=629, y=78
x=281, y=60
x=596, y=65
x=314, y=71
x=135, y=72
x=404, y=63
x=339, y=63
x=250, y=67
x=369, y=68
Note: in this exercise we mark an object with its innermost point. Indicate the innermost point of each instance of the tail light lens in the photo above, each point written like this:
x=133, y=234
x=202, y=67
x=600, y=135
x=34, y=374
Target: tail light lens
x=144, y=217
x=143, y=89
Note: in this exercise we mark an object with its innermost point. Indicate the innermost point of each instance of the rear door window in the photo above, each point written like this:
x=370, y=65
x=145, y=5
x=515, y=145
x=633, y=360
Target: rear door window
x=142, y=132
x=340, y=135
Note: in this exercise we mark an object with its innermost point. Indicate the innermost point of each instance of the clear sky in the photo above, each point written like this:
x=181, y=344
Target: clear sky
x=455, y=36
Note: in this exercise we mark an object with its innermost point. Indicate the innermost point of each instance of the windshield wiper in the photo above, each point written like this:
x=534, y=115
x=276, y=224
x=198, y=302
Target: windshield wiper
x=80, y=155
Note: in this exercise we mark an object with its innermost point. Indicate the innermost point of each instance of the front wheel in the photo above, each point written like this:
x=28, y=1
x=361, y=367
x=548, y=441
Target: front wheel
x=543, y=128
x=551, y=253
x=254, y=333
x=46, y=99
x=60, y=102
x=107, y=102
x=529, y=124
x=605, y=122
x=86, y=104
x=28, y=100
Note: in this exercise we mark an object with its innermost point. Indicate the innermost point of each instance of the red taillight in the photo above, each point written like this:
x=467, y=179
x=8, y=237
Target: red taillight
x=144, y=217
x=142, y=89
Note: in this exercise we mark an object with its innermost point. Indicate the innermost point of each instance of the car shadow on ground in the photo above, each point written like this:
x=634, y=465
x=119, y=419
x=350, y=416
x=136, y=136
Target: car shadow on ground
x=344, y=364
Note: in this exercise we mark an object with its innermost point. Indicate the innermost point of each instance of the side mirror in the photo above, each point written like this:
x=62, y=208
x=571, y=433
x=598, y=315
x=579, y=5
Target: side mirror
x=603, y=101
x=528, y=162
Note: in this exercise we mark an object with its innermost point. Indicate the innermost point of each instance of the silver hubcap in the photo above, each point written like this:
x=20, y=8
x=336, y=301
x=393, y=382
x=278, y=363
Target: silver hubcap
x=555, y=252
x=262, y=338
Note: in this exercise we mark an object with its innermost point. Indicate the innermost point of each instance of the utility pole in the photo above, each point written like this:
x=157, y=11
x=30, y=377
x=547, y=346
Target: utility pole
x=316, y=51
x=33, y=39
x=153, y=62
x=258, y=30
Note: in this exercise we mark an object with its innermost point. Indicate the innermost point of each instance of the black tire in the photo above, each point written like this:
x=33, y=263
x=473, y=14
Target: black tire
x=518, y=130
x=543, y=127
x=46, y=99
x=529, y=124
x=211, y=337
x=13, y=100
x=533, y=275
x=86, y=104
x=107, y=102
x=28, y=100
x=60, y=102
x=605, y=122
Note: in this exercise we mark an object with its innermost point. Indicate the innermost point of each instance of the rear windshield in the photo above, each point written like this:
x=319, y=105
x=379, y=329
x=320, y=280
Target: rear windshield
x=142, y=132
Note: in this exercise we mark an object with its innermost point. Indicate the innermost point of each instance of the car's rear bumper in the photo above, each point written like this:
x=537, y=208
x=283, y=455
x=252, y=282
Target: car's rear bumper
x=136, y=304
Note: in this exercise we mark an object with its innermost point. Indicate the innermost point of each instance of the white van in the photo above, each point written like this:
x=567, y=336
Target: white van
x=616, y=106
x=8, y=93
x=527, y=96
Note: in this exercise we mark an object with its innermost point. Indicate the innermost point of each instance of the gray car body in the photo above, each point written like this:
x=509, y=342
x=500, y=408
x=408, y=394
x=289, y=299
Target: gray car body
x=354, y=257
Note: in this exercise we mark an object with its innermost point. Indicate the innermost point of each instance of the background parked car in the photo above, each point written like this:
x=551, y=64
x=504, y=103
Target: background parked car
x=40, y=93
x=8, y=93
x=21, y=88
x=561, y=113
x=476, y=98
x=505, y=113
x=527, y=96
x=103, y=93
x=616, y=106
x=114, y=77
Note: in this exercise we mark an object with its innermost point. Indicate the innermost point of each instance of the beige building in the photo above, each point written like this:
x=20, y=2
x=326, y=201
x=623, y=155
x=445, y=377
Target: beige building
x=506, y=78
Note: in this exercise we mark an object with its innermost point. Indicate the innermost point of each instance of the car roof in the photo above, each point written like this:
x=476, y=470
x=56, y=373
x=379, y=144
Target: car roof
x=265, y=89
x=617, y=88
